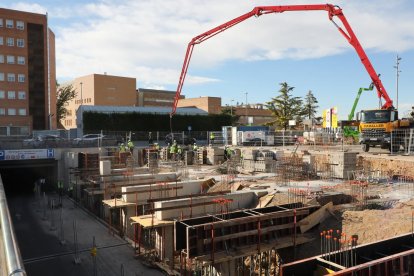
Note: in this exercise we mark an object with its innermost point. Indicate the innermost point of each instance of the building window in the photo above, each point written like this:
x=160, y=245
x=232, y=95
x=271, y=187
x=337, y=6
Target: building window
x=22, y=111
x=10, y=41
x=10, y=59
x=11, y=95
x=1, y=40
x=11, y=77
x=20, y=25
x=21, y=95
x=1, y=76
x=1, y=22
x=20, y=42
x=9, y=23
x=1, y=58
x=2, y=94
x=21, y=78
x=2, y=111
x=11, y=111
x=21, y=60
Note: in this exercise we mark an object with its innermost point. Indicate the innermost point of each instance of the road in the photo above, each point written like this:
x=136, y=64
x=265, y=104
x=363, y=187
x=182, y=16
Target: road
x=43, y=254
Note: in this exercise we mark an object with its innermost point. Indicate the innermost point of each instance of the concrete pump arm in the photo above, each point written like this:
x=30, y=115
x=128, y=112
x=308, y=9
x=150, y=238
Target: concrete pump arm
x=258, y=11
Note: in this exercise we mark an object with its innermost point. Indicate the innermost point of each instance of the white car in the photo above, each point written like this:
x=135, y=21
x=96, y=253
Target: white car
x=89, y=139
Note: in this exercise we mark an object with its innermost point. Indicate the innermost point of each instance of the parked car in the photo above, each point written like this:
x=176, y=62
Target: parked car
x=97, y=140
x=47, y=140
x=89, y=139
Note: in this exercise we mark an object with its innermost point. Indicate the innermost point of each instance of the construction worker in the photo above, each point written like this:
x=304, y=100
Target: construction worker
x=212, y=137
x=173, y=150
x=157, y=146
x=195, y=147
x=228, y=152
x=130, y=146
x=179, y=152
x=122, y=148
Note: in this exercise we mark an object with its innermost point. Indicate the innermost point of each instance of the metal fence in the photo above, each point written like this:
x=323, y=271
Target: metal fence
x=10, y=259
x=402, y=141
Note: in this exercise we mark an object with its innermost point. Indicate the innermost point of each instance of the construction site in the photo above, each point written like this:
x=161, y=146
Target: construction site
x=286, y=211
x=244, y=202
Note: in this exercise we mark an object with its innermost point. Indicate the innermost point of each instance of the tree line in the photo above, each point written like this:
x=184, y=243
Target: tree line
x=286, y=107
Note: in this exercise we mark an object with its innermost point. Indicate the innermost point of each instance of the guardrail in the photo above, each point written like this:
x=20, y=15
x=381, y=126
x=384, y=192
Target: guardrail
x=11, y=263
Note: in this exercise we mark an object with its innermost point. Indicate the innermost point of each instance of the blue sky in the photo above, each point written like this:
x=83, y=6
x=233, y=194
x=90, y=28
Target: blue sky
x=147, y=39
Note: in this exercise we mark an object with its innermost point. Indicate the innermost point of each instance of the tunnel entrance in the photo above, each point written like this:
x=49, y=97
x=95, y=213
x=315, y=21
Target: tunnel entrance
x=19, y=175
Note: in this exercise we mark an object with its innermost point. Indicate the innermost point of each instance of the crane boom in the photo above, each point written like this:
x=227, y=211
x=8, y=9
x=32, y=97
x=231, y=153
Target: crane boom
x=332, y=10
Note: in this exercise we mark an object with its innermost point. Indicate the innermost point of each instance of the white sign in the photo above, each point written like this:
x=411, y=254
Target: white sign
x=27, y=154
x=292, y=122
x=250, y=120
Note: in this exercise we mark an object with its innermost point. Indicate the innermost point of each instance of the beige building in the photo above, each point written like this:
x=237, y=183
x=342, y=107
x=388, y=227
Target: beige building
x=153, y=97
x=100, y=90
x=27, y=73
x=252, y=114
x=210, y=104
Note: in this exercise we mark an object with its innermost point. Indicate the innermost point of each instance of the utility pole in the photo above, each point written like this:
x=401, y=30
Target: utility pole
x=81, y=84
x=231, y=108
x=398, y=71
x=247, y=121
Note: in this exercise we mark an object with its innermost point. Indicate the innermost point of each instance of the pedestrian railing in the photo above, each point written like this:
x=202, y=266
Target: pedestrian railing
x=11, y=263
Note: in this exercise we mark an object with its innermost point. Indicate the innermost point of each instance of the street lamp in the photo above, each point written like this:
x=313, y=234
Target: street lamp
x=247, y=121
x=398, y=74
x=81, y=84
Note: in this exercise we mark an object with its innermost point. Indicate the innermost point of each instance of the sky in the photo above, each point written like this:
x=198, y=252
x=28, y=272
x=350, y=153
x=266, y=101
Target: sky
x=147, y=40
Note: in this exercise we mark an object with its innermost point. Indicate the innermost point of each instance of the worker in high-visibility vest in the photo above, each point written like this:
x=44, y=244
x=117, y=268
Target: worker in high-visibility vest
x=173, y=150
x=212, y=137
x=179, y=152
x=122, y=148
x=130, y=146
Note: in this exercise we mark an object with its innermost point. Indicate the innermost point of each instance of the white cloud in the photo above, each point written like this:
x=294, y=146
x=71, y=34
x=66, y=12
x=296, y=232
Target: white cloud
x=148, y=39
x=28, y=7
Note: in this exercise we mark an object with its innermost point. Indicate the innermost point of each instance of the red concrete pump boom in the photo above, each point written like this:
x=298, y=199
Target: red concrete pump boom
x=258, y=11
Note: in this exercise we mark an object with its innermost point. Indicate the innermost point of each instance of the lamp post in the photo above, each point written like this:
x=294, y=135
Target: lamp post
x=81, y=84
x=247, y=121
x=397, y=67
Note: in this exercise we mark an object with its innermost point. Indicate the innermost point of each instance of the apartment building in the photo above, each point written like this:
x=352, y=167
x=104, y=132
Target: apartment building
x=27, y=73
x=99, y=90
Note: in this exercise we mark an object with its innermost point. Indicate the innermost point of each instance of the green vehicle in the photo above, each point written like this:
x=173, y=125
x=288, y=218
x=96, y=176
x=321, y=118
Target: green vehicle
x=352, y=131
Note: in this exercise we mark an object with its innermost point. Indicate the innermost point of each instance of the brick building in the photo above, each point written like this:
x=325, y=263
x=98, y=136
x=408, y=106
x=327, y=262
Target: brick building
x=100, y=90
x=210, y=104
x=253, y=114
x=153, y=97
x=27, y=73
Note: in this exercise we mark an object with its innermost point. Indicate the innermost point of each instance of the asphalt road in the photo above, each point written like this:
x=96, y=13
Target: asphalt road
x=43, y=254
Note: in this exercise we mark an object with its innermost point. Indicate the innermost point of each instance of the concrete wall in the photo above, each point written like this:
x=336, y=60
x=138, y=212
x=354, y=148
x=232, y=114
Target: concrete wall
x=242, y=199
x=189, y=188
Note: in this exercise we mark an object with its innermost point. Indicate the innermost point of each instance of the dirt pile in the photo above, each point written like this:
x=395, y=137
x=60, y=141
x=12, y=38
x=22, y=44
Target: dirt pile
x=375, y=225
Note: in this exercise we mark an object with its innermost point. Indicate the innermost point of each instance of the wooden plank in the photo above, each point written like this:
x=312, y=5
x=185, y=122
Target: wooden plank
x=264, y=200
x=242, y=220
x=245, y=251
x=250, y=232
x=315, y=218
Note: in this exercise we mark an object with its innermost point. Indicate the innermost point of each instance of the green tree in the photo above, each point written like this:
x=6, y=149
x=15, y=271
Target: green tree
x=285, y=107
x=310, y=105
x=64, y=95
x=229, y=110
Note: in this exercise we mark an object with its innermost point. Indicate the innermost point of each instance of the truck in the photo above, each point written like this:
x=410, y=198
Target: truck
x=375, y=126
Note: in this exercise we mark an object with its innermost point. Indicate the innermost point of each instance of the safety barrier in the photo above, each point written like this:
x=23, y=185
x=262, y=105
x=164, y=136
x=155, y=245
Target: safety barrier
x=11, y=263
